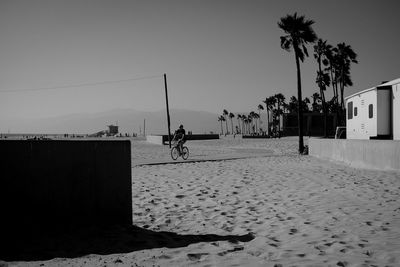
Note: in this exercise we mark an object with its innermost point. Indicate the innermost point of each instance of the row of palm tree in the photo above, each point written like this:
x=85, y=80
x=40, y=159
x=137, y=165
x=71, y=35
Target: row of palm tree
x=337, y=61
x=247, y=124
x=275, y=106
x=334, y=65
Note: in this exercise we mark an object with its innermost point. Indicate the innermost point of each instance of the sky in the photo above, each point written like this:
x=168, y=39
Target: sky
x=216, y=54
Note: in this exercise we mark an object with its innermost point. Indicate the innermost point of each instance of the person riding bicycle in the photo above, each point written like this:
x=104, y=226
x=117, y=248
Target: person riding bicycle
x=180, y=137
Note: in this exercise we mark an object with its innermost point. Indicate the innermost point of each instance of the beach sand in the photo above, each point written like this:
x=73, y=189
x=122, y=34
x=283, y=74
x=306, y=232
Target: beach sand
x=279, y=208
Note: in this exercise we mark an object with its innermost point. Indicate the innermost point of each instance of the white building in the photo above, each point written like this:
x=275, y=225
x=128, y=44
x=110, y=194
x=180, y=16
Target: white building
x=374, y=113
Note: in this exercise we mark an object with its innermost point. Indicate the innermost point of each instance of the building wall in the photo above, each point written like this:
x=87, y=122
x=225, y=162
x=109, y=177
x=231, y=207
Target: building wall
x=361, y=126
x=63, y=184
x=384, y=110
x=371, y=154
x=396, y=111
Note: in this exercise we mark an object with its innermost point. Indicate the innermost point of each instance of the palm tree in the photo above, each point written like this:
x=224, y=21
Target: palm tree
x=321, y=52
x=239, y=117
x=231, y=116
x=298, y=33
x=269, y=104
x=304, y=104
x=280, y=99
x=242, y=117
x=254, y=116
x=285, y=107
x=260, y=107
x=249, y=123
x=345, y=56
x=331, y=61
x=245, y=124
x=225, y=113
x=293, y=105
x=256, y=119
x=316, y=106
x=266, y=102
x=221, y=119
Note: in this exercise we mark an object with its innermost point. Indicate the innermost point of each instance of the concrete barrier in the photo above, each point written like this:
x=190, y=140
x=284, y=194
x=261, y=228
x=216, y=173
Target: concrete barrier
x=64, y=184
x=371, y=154
x=163, y=139
x=155, y=139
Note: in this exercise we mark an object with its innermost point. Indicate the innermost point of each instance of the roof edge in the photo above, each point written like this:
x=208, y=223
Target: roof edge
x=390, y=83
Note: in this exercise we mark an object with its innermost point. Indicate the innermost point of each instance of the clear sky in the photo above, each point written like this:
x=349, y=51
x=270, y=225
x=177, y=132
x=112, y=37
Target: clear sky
x=217, y=54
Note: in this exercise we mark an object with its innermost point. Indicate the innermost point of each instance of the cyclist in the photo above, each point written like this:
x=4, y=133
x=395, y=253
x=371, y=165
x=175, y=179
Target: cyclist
x=180, y=137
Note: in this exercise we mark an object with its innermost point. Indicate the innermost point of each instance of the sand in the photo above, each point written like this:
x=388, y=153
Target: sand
x=283, y=209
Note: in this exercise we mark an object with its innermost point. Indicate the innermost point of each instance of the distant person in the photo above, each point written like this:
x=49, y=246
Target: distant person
x=180, y=137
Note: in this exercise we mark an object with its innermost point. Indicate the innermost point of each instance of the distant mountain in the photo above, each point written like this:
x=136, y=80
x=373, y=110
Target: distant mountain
x=129, y=121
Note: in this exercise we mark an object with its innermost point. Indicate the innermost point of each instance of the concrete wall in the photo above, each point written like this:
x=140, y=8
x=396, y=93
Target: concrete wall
x=155, y=139
x=371, y=154
x=55, y=185
x=163, y=139
x=396, y=111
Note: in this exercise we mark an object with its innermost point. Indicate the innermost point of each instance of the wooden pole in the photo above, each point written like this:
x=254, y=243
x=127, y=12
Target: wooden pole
x=144, y=127
x=168, y=117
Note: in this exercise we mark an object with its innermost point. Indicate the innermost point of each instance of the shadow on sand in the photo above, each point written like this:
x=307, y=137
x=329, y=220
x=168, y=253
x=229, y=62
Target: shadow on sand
x=104, y=241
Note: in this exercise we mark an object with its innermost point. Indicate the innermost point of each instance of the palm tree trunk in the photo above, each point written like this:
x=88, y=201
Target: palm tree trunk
x=325, y=111
x=342, y=90
x=323, y=101
x=268, y=121
x=332, y=79
x=299, y=97
x=336, y=91
x=279, y=120
x=222, y=129
x=232, y=125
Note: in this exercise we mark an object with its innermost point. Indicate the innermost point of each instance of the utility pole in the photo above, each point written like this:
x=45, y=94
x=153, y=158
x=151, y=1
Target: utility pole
x=168, y=118
x=144, y=127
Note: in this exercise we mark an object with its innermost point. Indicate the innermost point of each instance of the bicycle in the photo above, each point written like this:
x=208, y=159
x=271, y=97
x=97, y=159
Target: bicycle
x=175, y=152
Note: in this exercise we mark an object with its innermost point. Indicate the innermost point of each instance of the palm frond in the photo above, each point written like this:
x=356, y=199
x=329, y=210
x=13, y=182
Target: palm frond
x=286, y=43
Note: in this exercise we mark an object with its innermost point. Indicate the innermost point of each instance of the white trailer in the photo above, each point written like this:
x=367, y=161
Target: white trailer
x=374, y=113
x=395, y=88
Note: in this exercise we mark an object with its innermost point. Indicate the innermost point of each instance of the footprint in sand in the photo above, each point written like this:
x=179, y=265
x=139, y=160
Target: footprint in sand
x=293, y=231
x=369, y=253
x=196, y=256
x=231, y=250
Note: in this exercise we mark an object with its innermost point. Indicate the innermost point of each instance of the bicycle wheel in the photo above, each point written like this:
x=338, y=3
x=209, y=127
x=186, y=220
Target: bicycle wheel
x=185, y=152
x=174, y=153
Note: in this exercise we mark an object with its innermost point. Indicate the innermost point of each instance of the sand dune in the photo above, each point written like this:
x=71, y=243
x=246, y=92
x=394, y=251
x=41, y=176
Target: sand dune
x=296, y=210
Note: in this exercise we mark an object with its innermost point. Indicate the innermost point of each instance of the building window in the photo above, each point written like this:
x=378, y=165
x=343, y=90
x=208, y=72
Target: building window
x=350, y=110
x=355, y=111
x=370, y=111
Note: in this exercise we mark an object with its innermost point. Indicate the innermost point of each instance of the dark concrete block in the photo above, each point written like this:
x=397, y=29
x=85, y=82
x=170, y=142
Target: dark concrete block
x=56, y=185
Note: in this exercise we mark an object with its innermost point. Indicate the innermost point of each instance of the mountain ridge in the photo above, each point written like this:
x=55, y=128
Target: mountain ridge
x=129, y=121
